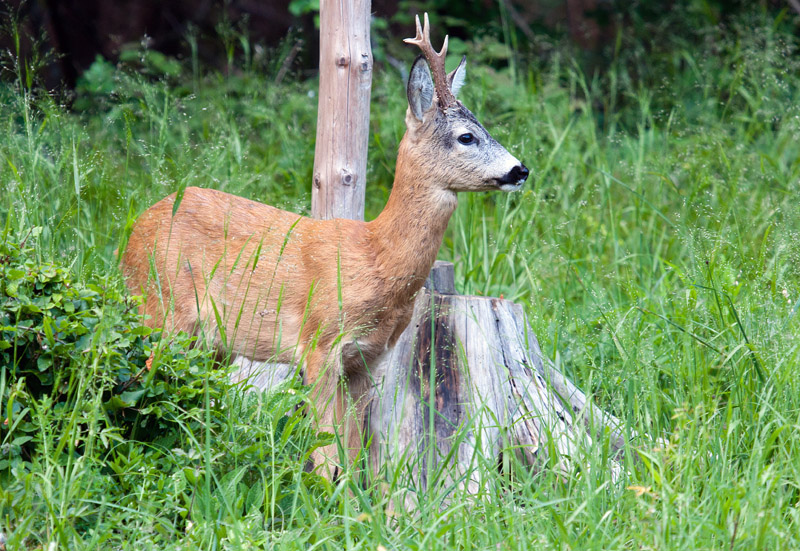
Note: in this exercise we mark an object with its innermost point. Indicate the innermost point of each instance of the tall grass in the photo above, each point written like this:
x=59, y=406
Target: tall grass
x=655, y=250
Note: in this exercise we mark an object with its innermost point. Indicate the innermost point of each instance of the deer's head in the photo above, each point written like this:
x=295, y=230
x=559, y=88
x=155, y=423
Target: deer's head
x=456, y=148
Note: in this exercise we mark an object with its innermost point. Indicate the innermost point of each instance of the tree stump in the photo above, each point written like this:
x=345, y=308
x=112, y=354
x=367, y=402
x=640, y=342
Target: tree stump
x=467, y=383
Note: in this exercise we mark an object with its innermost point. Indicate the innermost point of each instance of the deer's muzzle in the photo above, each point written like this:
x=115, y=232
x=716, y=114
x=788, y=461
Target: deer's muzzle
x=514, y=179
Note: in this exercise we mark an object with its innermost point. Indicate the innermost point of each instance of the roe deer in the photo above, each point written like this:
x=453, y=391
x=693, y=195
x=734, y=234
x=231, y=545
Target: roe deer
x=271, y=285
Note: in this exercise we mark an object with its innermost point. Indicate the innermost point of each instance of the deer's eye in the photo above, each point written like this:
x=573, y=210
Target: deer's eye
x=466, y=139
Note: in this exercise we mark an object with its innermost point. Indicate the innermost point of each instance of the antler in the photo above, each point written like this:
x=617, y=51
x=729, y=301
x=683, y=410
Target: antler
x=435, y=60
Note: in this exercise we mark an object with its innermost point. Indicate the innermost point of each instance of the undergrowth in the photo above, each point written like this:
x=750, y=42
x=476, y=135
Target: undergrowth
x=655, y=250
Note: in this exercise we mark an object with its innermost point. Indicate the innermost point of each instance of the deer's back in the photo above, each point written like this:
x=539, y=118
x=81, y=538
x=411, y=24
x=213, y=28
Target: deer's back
x=267, y=274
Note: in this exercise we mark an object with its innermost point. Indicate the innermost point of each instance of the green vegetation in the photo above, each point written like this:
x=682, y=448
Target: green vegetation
x=656, y=251
x=51, y=328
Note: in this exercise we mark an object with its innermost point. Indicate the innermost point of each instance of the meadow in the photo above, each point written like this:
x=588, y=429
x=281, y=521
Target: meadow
x=655, y=248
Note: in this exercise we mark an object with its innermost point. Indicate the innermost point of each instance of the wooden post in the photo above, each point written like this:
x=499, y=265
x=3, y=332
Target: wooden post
x=345, y=81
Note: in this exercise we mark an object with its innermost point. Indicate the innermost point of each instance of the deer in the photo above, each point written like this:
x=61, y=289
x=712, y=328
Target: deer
x=334, y=295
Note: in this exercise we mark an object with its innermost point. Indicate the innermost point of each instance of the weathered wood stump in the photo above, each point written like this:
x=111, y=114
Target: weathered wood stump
x=467, y=383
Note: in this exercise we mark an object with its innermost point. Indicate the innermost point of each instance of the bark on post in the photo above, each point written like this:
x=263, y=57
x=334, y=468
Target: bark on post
x=345, y=81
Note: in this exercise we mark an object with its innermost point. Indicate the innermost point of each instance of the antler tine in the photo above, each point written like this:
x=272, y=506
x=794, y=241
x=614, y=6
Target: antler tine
x=435, y=60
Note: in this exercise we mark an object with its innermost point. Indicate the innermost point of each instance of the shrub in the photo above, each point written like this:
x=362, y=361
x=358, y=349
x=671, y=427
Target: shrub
x=75, y=354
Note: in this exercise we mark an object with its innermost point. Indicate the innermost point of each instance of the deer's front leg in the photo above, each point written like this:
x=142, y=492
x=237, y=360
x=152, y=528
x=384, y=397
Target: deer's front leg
x=339, y=407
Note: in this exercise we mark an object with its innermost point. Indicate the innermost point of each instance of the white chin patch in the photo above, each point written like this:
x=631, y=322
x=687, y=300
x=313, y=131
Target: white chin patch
x=512, y=187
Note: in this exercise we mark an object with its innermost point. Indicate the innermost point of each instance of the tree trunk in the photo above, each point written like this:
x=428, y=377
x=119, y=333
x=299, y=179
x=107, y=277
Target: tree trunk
x=345, y=80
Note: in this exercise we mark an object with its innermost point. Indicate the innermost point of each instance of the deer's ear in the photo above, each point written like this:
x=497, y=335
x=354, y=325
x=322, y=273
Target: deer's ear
x=456, y=78
x=420, y=88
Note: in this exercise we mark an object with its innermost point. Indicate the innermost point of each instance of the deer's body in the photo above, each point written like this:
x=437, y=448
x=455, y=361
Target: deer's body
x=284, y=272
x=271, y=285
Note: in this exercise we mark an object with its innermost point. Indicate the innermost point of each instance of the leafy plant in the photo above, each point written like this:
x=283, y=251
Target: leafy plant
x=64, y=343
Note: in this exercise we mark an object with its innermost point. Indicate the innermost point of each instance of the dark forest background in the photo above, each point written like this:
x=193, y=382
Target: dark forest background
x=60, y=39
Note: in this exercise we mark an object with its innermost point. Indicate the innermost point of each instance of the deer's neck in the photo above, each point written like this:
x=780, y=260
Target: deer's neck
x=407, y=235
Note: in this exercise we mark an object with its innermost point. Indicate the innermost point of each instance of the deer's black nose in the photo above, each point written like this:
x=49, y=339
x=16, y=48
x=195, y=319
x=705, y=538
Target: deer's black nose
x=516, y=175
x=521, y=172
